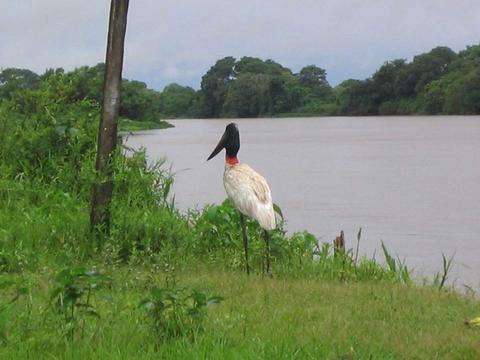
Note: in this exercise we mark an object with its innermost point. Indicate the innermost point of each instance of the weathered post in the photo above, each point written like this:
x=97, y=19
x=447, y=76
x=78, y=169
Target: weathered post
x=107, y=134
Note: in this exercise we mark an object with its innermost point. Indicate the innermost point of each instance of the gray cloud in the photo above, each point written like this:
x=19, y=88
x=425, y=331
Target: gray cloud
x=179, y=40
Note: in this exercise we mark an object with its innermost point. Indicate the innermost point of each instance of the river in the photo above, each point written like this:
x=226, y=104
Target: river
x=411, y=182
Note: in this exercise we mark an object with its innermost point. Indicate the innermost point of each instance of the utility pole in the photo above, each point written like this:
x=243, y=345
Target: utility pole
x=107, y=134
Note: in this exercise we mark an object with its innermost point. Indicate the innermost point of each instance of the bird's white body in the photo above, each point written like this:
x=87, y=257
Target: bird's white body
x=250, y=193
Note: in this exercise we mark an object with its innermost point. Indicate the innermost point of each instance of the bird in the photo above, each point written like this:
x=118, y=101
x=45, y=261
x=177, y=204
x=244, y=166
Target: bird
x=248, y=190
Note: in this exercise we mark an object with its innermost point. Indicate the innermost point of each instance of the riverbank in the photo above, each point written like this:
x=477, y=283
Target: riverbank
x=283, y=317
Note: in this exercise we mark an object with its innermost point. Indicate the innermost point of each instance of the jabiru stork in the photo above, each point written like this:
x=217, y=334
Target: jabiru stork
x=248, y=190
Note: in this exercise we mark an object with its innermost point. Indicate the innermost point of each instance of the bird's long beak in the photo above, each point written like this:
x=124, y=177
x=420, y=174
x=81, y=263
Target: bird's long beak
x=221, y=144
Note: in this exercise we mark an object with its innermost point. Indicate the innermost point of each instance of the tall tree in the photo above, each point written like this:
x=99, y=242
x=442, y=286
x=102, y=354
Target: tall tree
x=313, y=76
x=215, y=84
x=248, y=96
x=177, y=100
x=107, y=137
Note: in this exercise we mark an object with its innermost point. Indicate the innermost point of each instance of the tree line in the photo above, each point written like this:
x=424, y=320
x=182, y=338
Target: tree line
x=440, y=81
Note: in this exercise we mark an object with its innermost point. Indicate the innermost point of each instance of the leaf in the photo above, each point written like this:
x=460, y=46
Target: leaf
x=277, y=209
x=83, y=305
x=157, y=293
x=199, y=296
x=390, y=260
x=91, y=273
x=107, y=298
x=214, y=300
x=63, y=277
x=60, y=130
x=73, y=131
x=166, y=187
x=195, y=312
x=56, y=292
x=89, y=313
x=147, y=303
x=71, y=297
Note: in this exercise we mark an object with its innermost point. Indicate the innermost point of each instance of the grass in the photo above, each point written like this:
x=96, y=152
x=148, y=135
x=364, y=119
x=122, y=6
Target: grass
x=260, y=318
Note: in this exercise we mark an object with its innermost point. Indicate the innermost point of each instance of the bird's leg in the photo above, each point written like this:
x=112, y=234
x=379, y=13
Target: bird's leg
x=267, y=250
x=245, y=241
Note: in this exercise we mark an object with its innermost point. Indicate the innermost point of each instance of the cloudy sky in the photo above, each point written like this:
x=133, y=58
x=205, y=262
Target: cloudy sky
x=177, y=41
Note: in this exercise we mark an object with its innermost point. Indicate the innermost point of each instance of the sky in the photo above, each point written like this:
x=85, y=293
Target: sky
x=178, y=40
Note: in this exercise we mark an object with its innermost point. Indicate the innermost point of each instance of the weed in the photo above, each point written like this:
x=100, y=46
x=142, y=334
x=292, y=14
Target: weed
x=72, y=298
x=440, y=279
x=398, y=268
x=178, y=311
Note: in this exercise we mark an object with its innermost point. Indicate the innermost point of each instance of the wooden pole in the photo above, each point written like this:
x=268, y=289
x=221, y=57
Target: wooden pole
x=107, y=134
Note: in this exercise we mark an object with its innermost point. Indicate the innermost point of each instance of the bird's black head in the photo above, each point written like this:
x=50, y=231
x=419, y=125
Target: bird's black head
x=230, y=141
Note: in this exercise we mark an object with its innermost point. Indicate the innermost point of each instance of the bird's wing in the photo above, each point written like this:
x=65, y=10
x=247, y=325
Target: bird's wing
x=255, y=182
x=260, y=187
x=251, y=194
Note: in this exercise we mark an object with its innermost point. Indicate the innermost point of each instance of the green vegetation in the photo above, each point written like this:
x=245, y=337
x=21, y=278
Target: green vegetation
x=141, y=107
x=165, y=284
x=259, y=318
x=438, y=82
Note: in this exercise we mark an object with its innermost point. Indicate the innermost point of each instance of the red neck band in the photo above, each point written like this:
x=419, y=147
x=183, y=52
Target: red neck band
x=231, y=160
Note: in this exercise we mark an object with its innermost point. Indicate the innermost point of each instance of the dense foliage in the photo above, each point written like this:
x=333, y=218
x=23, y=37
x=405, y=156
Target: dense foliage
x=251, y=87
x=138, y=103
x=438, y=82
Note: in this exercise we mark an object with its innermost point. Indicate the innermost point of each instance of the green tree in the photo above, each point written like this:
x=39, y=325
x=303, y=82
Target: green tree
x=215, y=83
x=313, y=76
x=137, y=101
x=388, y=79
x=177, y=101
x=430, y=66
x=359, y=98
x=249, y=96
x=251, y=65
x=433, y=98
x=87, y=82
x=13, y=79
